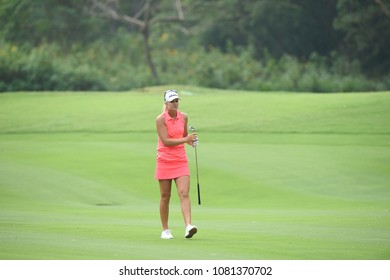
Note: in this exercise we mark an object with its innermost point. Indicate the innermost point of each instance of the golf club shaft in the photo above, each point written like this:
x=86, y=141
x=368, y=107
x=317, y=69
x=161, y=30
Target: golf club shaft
x=197, y=175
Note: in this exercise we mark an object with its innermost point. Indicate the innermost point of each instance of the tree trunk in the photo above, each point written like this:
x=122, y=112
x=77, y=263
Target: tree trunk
x=145, y=34
x=148, y=54
x=383, y=7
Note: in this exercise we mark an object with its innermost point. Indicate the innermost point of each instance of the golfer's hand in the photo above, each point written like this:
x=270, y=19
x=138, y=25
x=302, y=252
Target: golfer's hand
x=195, y=140
x=195, y=143
x=191, y=138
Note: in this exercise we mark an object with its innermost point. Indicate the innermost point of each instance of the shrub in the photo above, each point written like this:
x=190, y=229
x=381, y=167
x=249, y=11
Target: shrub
x=120, y=65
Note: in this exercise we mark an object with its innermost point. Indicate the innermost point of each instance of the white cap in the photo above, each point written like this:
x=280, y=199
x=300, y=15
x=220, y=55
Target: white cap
x=170, y=95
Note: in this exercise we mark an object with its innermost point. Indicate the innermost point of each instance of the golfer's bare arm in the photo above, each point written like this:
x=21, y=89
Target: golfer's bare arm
x=163, y=133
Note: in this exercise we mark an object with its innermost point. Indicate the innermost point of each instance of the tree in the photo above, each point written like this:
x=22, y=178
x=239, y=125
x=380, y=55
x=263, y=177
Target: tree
x=367, y=33
x=296, y=27
x=34, y=22
x=385, y=9
x=143, y=14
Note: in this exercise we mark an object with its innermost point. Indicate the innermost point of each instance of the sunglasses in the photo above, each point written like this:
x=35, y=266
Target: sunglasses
x=174, y=101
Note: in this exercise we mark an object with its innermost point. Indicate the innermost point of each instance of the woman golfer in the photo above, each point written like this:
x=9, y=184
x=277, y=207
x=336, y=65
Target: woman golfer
x=172, y=162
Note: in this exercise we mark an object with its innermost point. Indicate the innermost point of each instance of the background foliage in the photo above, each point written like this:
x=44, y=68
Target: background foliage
x=301, y=45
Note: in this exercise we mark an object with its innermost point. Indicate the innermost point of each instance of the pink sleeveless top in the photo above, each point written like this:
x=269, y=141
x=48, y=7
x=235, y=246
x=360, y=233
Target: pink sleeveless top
x=172, y=161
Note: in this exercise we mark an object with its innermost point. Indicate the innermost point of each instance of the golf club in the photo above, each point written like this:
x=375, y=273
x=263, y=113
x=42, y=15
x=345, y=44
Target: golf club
x=192, y=130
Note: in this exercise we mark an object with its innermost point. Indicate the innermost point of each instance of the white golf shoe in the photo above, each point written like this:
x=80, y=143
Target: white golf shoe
x=190, y=231
x=166, y=234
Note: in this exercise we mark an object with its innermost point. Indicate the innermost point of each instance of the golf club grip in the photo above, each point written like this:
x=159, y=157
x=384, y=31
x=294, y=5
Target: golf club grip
x=199, y=195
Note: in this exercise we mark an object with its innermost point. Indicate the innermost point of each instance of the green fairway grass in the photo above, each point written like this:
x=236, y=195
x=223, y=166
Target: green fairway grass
x=282, y=175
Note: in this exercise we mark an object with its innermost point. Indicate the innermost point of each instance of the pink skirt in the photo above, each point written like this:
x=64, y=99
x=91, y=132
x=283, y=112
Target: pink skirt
x=171, y=169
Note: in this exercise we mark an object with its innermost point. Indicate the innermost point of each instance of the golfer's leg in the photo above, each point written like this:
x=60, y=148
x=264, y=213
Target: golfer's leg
x=165, y=195
x=183, y=189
